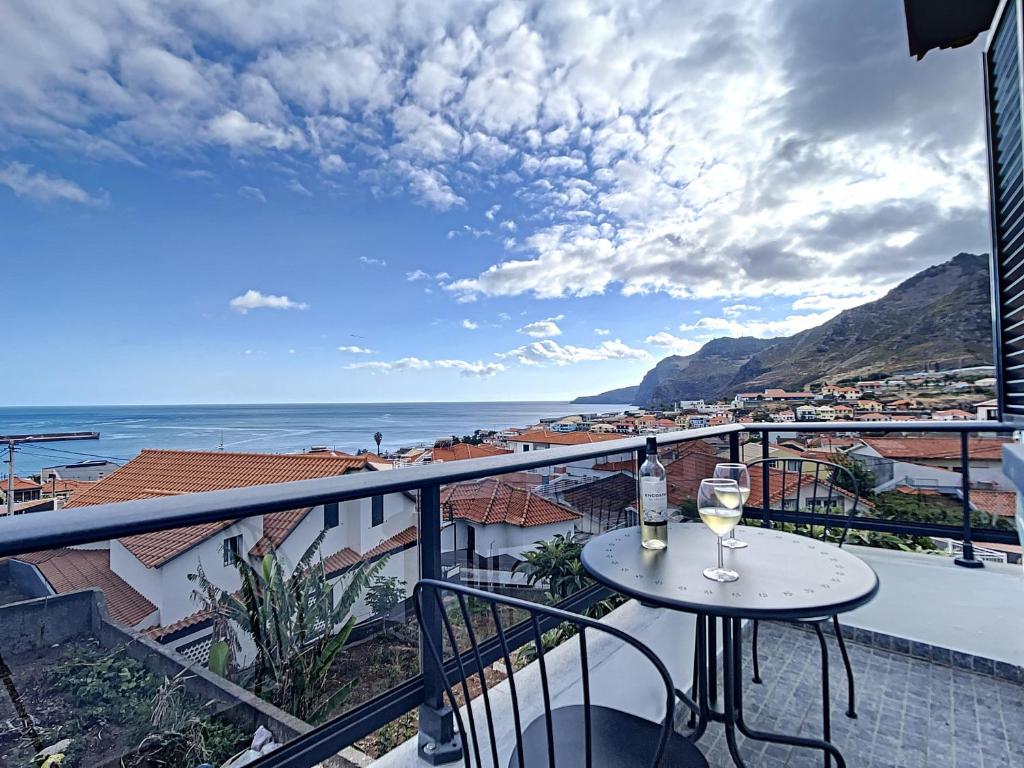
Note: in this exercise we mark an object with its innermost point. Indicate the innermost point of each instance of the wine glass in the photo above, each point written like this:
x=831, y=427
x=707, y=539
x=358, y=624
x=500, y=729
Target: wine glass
x=719, y=508
x=741, y=475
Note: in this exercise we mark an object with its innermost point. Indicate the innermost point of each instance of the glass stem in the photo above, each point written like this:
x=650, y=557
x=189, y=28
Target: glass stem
x=721, y=565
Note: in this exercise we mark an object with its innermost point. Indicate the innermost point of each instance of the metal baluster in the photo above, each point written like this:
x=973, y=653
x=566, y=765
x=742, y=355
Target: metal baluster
x=966, y=560
x=511, y=684
x=482, y=677
x=438, y=742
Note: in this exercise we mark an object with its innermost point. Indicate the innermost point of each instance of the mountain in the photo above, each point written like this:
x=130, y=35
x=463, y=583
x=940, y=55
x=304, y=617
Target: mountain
x=624, y=395
x=940, y=317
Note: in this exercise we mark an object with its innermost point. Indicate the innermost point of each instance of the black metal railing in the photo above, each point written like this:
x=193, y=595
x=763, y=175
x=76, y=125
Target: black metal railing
x=69, y=527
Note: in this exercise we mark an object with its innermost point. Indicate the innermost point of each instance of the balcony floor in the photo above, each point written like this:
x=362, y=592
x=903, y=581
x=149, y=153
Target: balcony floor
x=912, y=713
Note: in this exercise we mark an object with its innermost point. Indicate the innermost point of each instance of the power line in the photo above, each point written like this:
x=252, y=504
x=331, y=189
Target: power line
x=79, y=453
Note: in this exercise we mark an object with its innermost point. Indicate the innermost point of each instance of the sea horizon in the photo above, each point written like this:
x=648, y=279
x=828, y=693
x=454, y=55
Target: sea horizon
x=262, y=427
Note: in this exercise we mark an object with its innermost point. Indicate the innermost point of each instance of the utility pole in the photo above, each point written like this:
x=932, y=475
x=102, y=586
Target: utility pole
x=49, y=437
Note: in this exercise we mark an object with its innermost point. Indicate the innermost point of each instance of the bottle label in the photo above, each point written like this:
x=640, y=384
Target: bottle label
x=654, y=499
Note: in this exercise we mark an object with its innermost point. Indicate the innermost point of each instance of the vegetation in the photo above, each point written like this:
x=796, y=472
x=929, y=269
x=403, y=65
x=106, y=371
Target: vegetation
x=292, y=621
x=555, y=563
x=111, y=690
x=377, y=437
x=383, y=596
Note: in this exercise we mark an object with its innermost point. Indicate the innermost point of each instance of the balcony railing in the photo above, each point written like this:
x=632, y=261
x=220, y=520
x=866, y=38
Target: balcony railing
x=48, y=530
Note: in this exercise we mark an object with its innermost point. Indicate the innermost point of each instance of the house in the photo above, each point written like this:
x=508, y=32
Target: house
x=843, y=412
x=806, y=413
x=930, y=462
x=88, y=471
x=563, y=426
x=697, y=421
x=790, y=490
x=145, y=576
x=63, y=490
x=987, y=410
x=785, y=416
x=868, y=405
x=603, y=428
x=825, y=413
x=541, y=439
x=841, y=393
x=953, y=414
x=460, y=451
x=869, y=386
x=688, y=405
x=719, y=420
x=24, y=490
x=781, y=394
x=490, y=523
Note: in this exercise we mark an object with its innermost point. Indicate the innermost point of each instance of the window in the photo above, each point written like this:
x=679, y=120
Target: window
x=526, y=447
x=793, y=466
x=331, y=515
x=789, y=505
x=377, y=511
x=232, y=549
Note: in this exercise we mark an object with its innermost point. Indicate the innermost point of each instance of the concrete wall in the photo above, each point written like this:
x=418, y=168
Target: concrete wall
x=43, y=622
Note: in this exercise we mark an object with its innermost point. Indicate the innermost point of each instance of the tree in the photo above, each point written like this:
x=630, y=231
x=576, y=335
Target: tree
x=557, y=563
x=291, y=620
x=384, y=594
x=865, y=477
x=377, y=437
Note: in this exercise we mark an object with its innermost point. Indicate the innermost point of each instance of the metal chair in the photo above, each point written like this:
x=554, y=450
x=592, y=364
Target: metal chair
x=562, y=737
x=793, y=494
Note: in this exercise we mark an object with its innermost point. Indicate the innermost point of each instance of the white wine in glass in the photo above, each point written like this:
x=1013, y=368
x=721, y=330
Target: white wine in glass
x=741, y=475
x=713, y=499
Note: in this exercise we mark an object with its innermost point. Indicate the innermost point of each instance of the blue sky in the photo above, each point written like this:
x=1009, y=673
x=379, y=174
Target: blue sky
x=456, y=201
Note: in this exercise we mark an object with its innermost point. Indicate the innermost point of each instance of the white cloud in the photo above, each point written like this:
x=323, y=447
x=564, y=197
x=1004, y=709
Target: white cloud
x=25, y=182
x=762, y=329
x=298, y=187
x=372, y=262
x=549, y=351
x=469, y=325
x=253, y=193
x=735, y=310
x=674, y=345
x=508, y=225
x=355, y=350
x=491, y=212
x=540, y=329
x=478, y=369
x=253, y=299
x=416, y=274
x=602, y=331
x=240, y=133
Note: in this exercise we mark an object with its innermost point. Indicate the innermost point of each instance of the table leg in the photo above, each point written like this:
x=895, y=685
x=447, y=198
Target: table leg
x=733, y=627
x=712, y=655
x=730, y=704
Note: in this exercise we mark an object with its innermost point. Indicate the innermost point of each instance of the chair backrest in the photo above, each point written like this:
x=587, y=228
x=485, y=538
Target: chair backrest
x=477, y=654
x=805, y=491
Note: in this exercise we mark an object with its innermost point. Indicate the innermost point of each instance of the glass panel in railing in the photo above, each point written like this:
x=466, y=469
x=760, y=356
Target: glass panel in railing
x=201, y=643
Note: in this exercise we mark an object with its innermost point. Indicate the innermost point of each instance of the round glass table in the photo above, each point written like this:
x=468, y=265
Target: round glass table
x=782, y=577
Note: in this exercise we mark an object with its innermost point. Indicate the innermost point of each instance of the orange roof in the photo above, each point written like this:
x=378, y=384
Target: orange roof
x=911, y=448
x=561, y=438
x=20, y=484
x=784, y=485
x=491, y=501
x=345, y=558
x=165, y=473
x=1001, y=503
x=68, y=487
x=276, y=527
x=68, y=570
x=460, y=451
x=685, y=473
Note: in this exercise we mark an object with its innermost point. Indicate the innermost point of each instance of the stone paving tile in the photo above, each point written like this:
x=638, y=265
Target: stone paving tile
x=913, y=713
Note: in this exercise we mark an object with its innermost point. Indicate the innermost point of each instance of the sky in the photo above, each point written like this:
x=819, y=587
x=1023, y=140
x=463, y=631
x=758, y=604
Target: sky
x=329, y=201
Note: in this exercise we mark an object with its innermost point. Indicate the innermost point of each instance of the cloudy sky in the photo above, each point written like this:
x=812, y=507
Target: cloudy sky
x=320, y=200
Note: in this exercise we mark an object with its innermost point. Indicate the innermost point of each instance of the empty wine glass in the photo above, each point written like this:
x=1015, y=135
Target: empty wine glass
x=719, y=508
x=741, y=475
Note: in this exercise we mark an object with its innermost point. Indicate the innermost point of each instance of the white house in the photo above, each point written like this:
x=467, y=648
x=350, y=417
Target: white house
x=930, y=462
x=145, y=577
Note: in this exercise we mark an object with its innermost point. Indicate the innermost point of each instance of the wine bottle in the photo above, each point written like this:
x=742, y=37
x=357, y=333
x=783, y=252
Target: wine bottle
x=653, y=500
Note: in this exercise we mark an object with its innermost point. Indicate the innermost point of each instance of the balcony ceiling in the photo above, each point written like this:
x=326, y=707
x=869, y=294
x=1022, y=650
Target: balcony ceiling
x=946, y=23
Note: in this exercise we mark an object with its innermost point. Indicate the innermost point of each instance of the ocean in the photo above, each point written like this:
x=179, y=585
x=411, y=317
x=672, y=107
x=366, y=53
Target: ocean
x=126, y=430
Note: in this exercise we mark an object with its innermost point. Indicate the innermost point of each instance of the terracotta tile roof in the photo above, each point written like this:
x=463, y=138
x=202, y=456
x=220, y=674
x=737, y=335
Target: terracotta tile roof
x=346, y=558
x=793, y=480
x=69, y=569
x=192, y=620
x=20, y=484
x=685, y=473
x=526, y=480
x=276, y=527
x=1001, y=503
x=68, y=487
x=614, y=492
x=461, y=451
x=911, y=448
x=491, y=501
x=667, y=454
x=162, y=473
x=562, y=438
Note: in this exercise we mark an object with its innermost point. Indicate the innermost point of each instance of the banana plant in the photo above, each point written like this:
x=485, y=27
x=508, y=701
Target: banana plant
x=295, y=624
